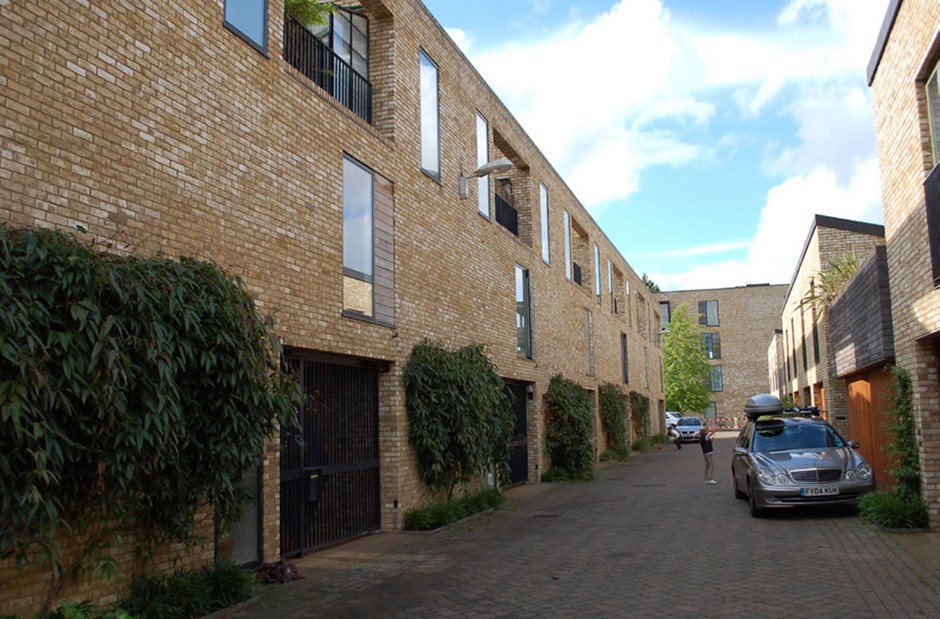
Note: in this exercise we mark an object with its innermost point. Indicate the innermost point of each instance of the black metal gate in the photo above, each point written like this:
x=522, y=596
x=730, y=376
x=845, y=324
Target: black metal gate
x=330, y=482
x=519, y=448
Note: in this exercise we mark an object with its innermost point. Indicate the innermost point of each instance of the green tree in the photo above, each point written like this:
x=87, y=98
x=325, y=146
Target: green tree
x=653, y=286
x=685, y=367
x=308, y=12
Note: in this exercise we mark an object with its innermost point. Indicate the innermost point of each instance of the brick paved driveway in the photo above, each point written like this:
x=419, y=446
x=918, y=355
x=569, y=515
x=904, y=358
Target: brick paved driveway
x=645, y=539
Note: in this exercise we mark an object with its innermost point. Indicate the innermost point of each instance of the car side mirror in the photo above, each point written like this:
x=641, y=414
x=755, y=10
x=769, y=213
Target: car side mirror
x=854, y=444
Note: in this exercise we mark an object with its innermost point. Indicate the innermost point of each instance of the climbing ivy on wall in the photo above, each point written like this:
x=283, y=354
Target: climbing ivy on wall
x=134, y=391
x=640, y=415
x=569, y=425
x=459, y=414
x=613, y=411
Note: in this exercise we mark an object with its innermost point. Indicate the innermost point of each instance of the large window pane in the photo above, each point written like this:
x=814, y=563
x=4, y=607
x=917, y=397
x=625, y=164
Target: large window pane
x=717, y=378
x=933, y=112
x=523, y=313
x=430, y=118
x=567, y=245
x=483, y=156
x=360, y=45
x=358, y=270
x=543, y=210
x=249, y=19
x=597, y=273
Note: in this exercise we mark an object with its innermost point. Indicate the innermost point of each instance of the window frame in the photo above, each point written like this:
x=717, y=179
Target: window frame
x=543, y=213
x=525, y=281
x=422, y=128
x=483, y=156
x=711, y=343
x=262, y=47
x=625, y=358
x=703, y=318
x=933, y=115
x=597, y=273
x=716, y=378
x=568, y=269
x=347, y=270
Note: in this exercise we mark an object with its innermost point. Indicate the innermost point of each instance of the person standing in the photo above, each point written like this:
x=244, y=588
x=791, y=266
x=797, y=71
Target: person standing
x=705, y=440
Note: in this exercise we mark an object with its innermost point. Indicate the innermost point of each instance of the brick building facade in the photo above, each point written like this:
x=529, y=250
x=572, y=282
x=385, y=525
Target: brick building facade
x=736, y=323
x=903, y=75
x=806, y=373
x=326, y=172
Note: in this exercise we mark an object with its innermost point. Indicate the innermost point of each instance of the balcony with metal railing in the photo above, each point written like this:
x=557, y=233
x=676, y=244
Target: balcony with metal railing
x=309, y=55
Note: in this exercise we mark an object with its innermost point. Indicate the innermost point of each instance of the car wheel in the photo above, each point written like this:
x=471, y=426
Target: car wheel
x=737, y=491
x=756, y=511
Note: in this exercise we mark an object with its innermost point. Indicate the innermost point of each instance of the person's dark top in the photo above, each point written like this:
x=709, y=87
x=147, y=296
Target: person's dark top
x=705, y=441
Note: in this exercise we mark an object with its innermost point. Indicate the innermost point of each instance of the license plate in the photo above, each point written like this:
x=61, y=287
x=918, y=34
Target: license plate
x=824, y=491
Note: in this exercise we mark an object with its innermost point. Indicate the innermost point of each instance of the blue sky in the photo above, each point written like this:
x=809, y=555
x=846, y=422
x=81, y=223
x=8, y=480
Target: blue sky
x=702, y=135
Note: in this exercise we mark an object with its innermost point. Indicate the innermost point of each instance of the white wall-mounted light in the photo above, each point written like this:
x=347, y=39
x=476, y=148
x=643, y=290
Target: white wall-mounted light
x=491, y=167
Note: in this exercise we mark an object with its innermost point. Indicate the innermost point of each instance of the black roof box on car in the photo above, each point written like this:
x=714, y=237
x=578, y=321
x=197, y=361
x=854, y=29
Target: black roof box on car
x=762, y=404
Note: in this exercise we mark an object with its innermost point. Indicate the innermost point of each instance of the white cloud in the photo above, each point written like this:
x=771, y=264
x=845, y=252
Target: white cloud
x=702, y=250
x=634, y=67
x=606, y=99
x=461, y=38
x=785, y=222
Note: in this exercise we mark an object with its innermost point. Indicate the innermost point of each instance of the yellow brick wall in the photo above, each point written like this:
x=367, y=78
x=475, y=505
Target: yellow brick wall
x=747, y=317
x=154, y=126
x=827, y=244
x=898, y=96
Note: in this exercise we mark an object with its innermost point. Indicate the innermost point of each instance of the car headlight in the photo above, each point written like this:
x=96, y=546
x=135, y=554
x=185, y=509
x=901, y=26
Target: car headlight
x=782, y=479
x=849, y=475
x=864, y=471
x=766, y=477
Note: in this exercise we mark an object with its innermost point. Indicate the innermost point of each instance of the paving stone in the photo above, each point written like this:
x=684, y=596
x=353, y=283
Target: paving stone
x=645, y=539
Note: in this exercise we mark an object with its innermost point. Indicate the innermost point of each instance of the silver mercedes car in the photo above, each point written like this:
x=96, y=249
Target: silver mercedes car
x=786, y=460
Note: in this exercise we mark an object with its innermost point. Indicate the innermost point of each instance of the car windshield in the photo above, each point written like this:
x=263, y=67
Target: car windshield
x=784, y=437
x=690, y=421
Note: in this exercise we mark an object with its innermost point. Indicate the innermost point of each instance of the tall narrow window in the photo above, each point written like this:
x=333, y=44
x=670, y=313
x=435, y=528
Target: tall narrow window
x=358, y=263
x=711, y=342
x=483, y=155
x=803, y=339
x=610, y=286
x=717, y=378
x=708, y=313
x=567, y=245
x=589, y=340
x=933, y=112
x=663, y=315
x=523, y=313
x=249, y=20
x=711, y=411
x=624, y=358
x=815, y=338
x=597, y=273
x=430, y=119
x=543, y=210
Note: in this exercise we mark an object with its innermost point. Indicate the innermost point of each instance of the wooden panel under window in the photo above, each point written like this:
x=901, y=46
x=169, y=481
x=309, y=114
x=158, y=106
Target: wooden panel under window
x=384, y=213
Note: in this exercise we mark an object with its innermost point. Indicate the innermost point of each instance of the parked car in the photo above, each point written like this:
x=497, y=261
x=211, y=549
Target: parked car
x=785, y=460
x=671, y=418
x=689, y=428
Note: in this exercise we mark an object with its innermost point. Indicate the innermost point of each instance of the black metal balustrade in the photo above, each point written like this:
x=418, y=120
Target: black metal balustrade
x=316, y=61
x=506, y=215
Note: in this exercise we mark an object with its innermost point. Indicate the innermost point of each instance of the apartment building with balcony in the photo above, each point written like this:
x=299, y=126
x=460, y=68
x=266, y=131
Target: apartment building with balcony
x=332, y=169
x=735, y=325
x=904, y=76
x=807, y=375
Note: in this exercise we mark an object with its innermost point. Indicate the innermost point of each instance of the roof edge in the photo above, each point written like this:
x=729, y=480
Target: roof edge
x=886, y=26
